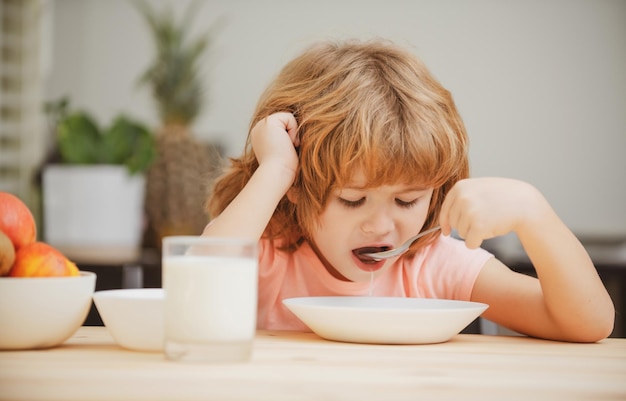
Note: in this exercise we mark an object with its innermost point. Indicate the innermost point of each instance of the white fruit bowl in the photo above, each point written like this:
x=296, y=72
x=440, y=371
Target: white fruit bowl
x=43, y=312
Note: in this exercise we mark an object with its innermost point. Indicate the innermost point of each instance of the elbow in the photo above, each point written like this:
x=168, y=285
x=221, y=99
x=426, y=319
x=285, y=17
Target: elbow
x=605, y=326
x=606, y=321
x=594, y=334
x=597, y=328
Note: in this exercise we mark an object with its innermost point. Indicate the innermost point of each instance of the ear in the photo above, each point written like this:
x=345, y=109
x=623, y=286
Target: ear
x=293, y=195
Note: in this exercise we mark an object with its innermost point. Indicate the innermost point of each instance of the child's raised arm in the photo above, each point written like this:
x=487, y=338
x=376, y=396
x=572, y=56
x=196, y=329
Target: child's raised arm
x=273, y=140
x=569, y=301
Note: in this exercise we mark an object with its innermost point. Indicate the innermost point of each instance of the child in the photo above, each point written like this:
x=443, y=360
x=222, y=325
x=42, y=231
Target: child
x=355, y=146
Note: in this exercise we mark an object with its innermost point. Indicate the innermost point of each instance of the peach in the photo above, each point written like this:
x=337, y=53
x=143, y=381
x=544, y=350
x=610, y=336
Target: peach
x=39, y=259
x=7, y=254
x=16, y=220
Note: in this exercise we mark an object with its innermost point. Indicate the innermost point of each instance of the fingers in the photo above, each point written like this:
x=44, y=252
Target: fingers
x=287, y=122
x=456, y=213
x=444, y=215
x=275, y=139
x=450, y=215
x=473, y=239
x=291, y=125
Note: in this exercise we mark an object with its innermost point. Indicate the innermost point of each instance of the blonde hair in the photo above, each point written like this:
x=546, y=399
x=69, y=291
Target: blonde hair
x=360, y=106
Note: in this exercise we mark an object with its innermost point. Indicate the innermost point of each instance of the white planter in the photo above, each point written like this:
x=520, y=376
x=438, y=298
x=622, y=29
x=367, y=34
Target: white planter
x=94, y=214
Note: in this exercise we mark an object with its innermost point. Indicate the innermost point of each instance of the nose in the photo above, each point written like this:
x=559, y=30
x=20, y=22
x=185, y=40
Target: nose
x=378, y=222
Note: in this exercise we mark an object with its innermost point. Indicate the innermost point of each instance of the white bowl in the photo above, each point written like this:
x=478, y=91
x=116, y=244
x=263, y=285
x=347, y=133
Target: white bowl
x=134, y=317
x=43, y=312
x=385, y=320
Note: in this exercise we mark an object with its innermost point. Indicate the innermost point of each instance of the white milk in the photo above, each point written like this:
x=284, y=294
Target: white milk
x=209, y=299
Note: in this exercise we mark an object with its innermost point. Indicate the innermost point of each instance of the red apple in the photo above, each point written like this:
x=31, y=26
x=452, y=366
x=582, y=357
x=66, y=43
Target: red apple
x=39, y=259
x=7, y=254
x=16, y=220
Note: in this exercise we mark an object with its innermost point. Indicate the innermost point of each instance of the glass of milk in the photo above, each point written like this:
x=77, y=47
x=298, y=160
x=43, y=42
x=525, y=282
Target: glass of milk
x=210, y=287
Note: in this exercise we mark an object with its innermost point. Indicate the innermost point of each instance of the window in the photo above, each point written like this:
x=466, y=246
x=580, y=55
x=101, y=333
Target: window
x=21, y=87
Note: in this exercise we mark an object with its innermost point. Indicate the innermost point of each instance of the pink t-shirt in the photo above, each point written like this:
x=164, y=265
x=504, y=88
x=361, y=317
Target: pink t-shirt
x=445, y=269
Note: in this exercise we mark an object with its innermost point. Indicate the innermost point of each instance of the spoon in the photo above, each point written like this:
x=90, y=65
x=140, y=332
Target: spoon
x=401, y=249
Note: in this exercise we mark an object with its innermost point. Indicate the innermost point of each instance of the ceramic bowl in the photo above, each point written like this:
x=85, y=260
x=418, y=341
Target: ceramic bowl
x=385, y=320
x=134, y=317
x=43, y=312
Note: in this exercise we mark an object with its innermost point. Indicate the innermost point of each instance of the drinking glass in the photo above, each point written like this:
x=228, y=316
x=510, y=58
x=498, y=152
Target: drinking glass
x=210, y=287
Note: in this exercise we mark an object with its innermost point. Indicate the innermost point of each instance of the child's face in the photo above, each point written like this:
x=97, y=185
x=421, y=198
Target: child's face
x=357, y=217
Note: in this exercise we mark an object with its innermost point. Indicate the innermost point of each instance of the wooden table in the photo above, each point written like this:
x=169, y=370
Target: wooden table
x=302, y=366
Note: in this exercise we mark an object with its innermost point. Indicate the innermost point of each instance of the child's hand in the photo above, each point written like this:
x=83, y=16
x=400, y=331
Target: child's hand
x=274, y=139
x=483, y=208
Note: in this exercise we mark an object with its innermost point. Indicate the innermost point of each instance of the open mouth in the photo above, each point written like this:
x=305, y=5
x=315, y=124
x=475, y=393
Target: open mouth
x=360, y=253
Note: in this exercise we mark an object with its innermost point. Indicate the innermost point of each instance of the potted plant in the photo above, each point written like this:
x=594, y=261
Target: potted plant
x=93, y=191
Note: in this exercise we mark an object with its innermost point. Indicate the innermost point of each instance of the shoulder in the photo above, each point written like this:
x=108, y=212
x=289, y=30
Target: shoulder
x=271, y=254
x=274, y=257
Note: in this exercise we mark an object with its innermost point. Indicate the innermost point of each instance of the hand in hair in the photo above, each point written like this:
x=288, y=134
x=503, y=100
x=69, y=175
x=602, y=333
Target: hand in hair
x=274, y=139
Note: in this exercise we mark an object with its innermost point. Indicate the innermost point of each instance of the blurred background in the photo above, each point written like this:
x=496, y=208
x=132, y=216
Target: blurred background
x=541, y=84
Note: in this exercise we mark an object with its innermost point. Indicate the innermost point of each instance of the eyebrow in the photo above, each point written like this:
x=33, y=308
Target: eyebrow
x=362, y=188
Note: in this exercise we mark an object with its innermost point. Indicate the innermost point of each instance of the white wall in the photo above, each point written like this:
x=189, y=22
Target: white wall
x=541, y=84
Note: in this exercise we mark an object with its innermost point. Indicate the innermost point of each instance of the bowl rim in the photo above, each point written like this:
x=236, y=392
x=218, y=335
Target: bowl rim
x=454, y=304
x=354, y=324
x=121, y=293
x=82, y=274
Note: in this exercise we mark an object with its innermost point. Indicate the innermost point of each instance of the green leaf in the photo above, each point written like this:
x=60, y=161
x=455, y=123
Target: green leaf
x=128, y=142
x=79, y=139
x=144, y=155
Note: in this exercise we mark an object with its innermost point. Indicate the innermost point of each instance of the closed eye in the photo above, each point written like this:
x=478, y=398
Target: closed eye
x=351, y=203
x=407, y=204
